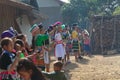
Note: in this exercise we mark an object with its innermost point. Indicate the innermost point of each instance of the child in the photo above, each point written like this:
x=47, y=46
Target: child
x=8, y=60
x=24, y=39
x=28, y=71
x=68, y=50
x=34, y=31
x=59, y=45
x=75, y=44
x=87, y=45
x=41, y=41
x=57, y=74
x=19, y=46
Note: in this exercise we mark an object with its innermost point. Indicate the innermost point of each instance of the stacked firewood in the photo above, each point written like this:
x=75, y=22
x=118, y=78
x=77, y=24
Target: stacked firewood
x=105, y=33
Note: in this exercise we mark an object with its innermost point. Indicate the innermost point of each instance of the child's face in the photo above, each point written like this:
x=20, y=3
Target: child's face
x=42, y=31
x=18, y=47
x=24, y=38
x=59, y=28
x=10, y=46
x=57, y=68
x=26, y=75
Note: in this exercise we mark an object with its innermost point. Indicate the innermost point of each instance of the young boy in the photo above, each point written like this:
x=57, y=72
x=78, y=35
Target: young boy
x=57, y=74
x=8, y=60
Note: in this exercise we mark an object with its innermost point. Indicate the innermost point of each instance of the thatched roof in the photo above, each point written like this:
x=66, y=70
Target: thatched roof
x=17, y=4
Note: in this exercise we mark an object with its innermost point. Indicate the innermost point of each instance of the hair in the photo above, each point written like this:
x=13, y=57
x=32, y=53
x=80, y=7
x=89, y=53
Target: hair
x=26, y=65
x=20, y=36
x=58, y=64
x=5, y=41
x=40, y=26
x=33, y=43
x=20, y=42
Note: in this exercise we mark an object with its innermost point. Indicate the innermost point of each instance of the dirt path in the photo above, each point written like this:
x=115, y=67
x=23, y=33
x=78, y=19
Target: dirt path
x=95, y=68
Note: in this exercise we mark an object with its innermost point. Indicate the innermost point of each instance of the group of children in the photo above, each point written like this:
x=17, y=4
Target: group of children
x=33, y=62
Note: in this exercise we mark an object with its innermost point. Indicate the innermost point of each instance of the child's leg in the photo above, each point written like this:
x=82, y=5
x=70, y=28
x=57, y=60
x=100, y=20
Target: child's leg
x=59, y=58
x=68, y=56
x=47, y=66
x=65, y=59
x=75, y=54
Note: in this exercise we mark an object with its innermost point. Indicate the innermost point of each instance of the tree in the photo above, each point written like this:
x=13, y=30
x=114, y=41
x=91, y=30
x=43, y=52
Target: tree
x=117, y=11
x=80, y=10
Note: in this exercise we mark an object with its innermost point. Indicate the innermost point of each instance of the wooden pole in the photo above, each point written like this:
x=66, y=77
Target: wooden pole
x=101, y=35
x=114, y=37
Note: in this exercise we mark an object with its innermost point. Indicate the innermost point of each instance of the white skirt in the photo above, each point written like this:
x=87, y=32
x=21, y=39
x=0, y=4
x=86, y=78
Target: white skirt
x=60, y=51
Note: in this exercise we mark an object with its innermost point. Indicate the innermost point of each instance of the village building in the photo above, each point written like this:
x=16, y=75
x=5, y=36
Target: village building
x=52, y=8
x=19, y=15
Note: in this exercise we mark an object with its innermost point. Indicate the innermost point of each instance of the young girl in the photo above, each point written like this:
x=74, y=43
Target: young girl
x=19, y=46
x=8, y=60
x=68, y=48
x=59, y=46
x=87, y=45
x=24, y=39
x=41, y=40
x=28, y=71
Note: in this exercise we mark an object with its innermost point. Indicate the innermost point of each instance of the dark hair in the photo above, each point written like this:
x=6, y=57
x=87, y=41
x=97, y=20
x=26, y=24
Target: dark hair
x=20, y=36
x=75, y=24
x=5, y=41
x=20, y=42
x=50, y=28
x=26, y=65
x=33, y=43
x=58, y=64
x=40, y=26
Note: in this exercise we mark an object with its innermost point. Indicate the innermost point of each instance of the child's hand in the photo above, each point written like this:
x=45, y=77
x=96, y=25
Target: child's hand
x=50, y=49
x=18, y=54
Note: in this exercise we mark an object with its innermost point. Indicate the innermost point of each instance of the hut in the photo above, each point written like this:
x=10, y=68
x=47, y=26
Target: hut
x=19, y=15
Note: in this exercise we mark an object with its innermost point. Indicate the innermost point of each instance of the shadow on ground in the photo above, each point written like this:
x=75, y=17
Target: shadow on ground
x=69, y=67
x=111, y=55
x=83, y=61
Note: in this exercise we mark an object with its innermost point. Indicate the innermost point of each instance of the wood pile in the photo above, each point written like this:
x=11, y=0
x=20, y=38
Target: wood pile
x=105, y=34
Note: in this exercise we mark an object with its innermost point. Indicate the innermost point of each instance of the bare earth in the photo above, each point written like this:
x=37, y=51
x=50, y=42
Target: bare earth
x=96, y=68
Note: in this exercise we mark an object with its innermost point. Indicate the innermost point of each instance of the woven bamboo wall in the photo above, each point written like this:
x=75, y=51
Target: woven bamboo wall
x=7, y=17
x=106, y=34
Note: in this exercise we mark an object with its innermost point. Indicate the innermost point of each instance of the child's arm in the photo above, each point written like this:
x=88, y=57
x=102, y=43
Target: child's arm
x=31, y=56
x=46, y=74
x=13, y=65
x=64, y=77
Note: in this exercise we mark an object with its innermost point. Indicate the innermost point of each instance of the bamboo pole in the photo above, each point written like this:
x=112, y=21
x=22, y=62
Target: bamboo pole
x=101, y=35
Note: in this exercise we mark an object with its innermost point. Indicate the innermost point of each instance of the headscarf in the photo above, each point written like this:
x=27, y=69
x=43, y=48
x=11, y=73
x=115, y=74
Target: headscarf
x=34, y=28
x=11, y=33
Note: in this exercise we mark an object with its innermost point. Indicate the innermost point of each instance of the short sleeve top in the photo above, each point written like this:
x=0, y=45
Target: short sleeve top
x=6, y=58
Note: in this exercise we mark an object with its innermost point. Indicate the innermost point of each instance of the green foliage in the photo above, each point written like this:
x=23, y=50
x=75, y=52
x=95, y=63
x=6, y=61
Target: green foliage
x=80, y=10
x=117, y=11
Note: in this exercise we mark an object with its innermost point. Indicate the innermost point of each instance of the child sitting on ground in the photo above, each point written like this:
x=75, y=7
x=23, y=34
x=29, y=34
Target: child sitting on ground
x=57, y=74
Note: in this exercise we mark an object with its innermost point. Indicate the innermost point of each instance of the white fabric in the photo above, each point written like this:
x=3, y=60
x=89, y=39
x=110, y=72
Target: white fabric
x=59, y=48
x=60, y=51
x=58, y=37
x=46, y=57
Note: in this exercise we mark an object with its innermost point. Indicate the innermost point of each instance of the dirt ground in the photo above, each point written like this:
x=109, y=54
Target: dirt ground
x=97, y=67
